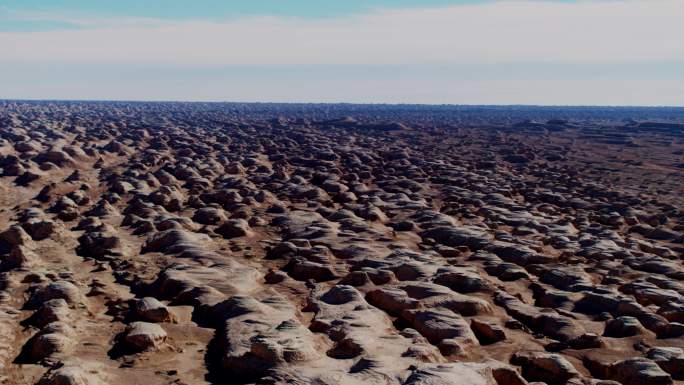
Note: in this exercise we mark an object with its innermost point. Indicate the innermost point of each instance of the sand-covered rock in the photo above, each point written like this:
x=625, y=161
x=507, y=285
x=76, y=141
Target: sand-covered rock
x=151, y=310
x=144, y=336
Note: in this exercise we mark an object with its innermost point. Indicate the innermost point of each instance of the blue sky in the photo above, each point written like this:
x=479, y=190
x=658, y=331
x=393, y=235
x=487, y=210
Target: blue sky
x=183, y=9
x=609, y=52
x=44, y=15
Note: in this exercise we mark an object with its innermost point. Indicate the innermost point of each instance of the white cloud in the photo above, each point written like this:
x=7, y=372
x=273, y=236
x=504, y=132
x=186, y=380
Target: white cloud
x=587, y=32
x=322, y=85
x=606, y=52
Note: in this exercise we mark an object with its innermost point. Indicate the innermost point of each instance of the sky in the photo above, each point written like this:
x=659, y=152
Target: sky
x=543, y=52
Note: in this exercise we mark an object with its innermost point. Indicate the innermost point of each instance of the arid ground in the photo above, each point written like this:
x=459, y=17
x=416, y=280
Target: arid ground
x=180, y=243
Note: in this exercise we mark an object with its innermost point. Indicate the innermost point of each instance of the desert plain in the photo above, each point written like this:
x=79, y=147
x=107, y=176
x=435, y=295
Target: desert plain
x=201, y=243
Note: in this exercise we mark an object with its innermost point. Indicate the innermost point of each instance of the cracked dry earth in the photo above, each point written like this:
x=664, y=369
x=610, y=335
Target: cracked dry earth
x=162, y=244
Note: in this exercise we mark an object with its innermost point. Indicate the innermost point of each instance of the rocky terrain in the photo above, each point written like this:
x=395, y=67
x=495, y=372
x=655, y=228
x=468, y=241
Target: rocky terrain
x=145, y=243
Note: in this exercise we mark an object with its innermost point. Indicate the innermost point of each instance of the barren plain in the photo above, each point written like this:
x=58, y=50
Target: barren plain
x=181, y=243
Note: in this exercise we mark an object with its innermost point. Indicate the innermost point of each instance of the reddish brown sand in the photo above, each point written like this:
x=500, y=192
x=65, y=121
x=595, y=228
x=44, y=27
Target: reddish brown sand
x=147, y=245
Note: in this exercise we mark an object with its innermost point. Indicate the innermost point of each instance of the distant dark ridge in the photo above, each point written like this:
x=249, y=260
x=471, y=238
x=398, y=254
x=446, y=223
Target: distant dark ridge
x=657, y=125
x=477, y=115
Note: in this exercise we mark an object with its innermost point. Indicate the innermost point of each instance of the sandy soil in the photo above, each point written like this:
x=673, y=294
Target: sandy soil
x=152, y=244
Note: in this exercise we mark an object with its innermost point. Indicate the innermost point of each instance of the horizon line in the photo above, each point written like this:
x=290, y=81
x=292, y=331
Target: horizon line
x=160, y=101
